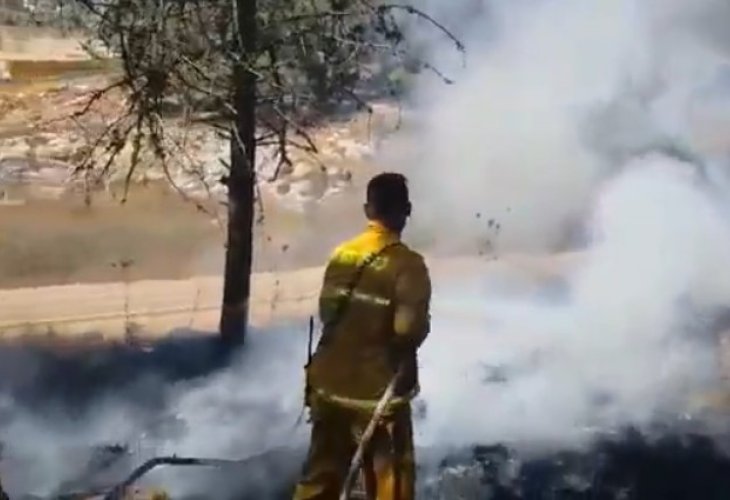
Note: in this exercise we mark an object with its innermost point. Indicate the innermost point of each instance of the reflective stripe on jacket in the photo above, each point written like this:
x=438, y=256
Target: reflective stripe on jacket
x=364, y=405
x=383, y=322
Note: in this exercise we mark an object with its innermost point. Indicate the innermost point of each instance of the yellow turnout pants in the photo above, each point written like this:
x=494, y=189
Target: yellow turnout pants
x=388, y=468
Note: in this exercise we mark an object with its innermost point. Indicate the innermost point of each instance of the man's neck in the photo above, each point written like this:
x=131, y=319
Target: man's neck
x=381, y=227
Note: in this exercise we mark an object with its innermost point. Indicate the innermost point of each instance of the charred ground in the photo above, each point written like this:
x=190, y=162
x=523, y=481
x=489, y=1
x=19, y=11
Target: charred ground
x=676, y=460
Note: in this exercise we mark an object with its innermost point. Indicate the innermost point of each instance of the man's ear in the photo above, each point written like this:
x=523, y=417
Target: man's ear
x=409, y=209
x=368, y=211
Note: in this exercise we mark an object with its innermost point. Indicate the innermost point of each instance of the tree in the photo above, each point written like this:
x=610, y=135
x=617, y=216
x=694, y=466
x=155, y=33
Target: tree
x=258, y=72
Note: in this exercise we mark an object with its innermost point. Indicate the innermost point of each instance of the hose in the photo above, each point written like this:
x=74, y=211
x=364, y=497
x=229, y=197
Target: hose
x=118, y=492
x=357, y=459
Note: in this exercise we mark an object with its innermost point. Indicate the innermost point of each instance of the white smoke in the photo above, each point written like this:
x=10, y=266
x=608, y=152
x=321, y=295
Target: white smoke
x=618, y=351
x=237, y=411
x=555, y=100
x=552, y=119
x=552, y=92
x=541, y=130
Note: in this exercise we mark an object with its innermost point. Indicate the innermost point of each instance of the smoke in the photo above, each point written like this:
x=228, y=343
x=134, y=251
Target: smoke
x=221, y=410
x=621, y=349
x=554, y=97
x=568, y=112
x=571, y=113
x=623, y=345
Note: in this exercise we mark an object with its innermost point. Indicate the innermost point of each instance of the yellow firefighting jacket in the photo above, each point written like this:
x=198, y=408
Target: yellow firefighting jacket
x=372, y=327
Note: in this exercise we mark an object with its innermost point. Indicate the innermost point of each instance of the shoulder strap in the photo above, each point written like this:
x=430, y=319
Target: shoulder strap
x=347, y=298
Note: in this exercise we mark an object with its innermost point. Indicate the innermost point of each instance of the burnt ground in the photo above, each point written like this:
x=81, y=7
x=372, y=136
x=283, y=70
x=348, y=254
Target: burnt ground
x=624, y=468
x=72, y=376
x=672, y=463
x=628, y=466
x=65, y=388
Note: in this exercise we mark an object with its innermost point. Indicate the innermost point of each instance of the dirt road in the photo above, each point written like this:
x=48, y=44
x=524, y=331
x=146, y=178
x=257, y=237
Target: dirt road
x=149, y=309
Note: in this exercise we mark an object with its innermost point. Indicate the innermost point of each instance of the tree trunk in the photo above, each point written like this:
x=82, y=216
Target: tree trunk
x=241, y=202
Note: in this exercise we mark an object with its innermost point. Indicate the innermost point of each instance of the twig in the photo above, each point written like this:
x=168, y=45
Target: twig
x=419, y=13
x=96, y=95
x=118, y=491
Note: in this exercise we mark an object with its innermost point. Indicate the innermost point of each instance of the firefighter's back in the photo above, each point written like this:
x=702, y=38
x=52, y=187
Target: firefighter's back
x=355, y=359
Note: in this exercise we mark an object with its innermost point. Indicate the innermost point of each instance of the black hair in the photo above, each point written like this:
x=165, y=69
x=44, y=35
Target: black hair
x=387, y=194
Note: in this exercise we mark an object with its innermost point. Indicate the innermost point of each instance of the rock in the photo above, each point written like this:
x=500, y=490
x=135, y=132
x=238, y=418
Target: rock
x=338, y=177
x=282, y=187
x=355, y=150
x=12, y=169
x=53, y=173
x=154, y=174
x=302, y=170
x=22, y=156
x=286, y=169
x=4, y=71
x=17, y=146
x=54, y=151
x=218, y=190
x=313, y=186
x=386, y=118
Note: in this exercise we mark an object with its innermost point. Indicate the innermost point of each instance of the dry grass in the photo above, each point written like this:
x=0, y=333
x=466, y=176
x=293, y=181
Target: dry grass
x=39, y=85
x=45, y=242
x=24, y=70
x=59, y=242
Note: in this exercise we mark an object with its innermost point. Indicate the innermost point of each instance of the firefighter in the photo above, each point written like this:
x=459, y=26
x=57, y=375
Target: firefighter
x=374, y=310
